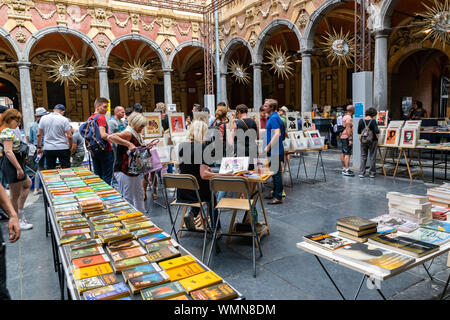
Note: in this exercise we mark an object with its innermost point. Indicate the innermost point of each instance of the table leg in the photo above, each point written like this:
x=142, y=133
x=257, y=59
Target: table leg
x=398, y=161
x=262, y=207
x=329, y=277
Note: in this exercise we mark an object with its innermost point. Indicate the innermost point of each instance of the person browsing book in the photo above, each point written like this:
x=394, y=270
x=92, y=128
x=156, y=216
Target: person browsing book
x=369, y=149
x=241, y=126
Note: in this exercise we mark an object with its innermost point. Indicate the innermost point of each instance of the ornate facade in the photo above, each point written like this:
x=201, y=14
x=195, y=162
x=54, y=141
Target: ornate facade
x=106, y=35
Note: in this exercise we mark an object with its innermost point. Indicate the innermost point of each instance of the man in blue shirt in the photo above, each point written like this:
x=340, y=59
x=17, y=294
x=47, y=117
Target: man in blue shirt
x=274, y=147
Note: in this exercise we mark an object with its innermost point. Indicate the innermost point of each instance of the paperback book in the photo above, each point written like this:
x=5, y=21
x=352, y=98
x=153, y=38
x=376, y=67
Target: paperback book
x=141, y=271
x=176, y=262
x=403, y=224
x=129, y=263
x=128, y=253
x=95, y=282
x=184, y=271
x=148, y=280
x=81, y=253
x=163, y=292
x=90, y=261
x=93, y=271
x=404, y=245
x=110, y=292
x=430, y=236
x=437, y=225
x=221, y=291
x=154, y=238
x=326, y=241
x=162, y=254
x=200, y=281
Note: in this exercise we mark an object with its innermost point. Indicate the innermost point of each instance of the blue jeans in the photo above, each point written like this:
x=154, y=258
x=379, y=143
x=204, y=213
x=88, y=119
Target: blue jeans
x=277, y=180
x=103, y=162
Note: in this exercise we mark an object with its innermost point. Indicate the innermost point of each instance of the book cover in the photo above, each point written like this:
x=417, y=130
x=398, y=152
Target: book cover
x=406, y=245
x=221, y=291
x=90, y=261
x=81, y=253
x=156, y=246
x=163, y=291
x=128, y=253
x=145, y=232
x=184, y=271
x=234, y=165
x=129, y=263
x=138, y=226
x=141, y=270
x=111, y=236
x=148, y=280
x=361, y=239
x=430, y=236
x=95, y=282
x=75, y=238
x=130, y=215
x=356, y=223
x=182, y=297
x=372, y=256
x=92, y=271
x=356, y=233
x=75, y=225
x=110, y=292
x=176, y=262
x=403, y=224
x=326, y=241
x=68, y=233
x=86, y=244
x=122, y=245
x=105, y=221
x=165, y=253
x=200, y=281
x=154, y=238
x=437, y=225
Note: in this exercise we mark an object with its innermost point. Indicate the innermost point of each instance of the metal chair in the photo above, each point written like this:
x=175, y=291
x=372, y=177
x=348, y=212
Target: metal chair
x=241, y=186
x=187, y=182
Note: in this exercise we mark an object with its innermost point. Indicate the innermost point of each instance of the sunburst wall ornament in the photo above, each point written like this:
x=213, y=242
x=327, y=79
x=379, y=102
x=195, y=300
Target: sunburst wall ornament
x=339, y=46
x=436, y=22
x=280, y=62
x=66, y=70
x=137, y=74
x=239, y=72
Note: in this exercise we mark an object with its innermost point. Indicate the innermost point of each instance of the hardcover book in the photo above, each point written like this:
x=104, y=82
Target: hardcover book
x=361, y=239
x=148, y=280
x=93, y=271
x=129, y=263
x=326, y=241
x=404, y=245
x=221, y=291
x=81, y=253
x=437, y=225
x=90, y=261
x=110, y=292
x=165, y=253
x=141, y=271
x=95, y=282
x=154, y=238
x=163, y=292
x=374, y=257
x=128, y=253
x=356, y=233
x=356, y=223
x=176, y=262
x=184, y=271
x=200, y=281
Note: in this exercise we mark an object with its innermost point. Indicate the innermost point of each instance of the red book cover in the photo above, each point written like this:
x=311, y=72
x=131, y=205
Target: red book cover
x=90, y=261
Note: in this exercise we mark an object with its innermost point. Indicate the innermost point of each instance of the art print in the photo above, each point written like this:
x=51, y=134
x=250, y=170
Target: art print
x=176, y=124
x=153, y=127
x=291, y=121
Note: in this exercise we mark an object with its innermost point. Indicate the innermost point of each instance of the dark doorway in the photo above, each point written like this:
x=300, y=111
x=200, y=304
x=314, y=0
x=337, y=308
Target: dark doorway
x=8, y=90
x=55, y=94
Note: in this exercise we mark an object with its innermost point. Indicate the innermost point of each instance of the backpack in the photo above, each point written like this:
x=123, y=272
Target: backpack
x=90, y=131
x=367, y=135
x=338, y=127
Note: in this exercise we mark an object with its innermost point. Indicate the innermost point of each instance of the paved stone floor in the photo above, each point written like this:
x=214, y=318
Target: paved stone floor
x=283, y=272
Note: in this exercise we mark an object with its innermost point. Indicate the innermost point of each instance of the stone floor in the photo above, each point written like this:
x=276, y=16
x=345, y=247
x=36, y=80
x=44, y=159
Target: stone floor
x=283, y=272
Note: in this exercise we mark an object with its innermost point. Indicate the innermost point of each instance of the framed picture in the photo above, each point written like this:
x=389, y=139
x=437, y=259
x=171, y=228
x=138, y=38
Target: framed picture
x=409, y=137
x=171, y=107
x=381, y=136
x=396, y=124
x=153, y=127
x=307, y=123
x=291, y=121
x=314, y=139
x=298, y=140
x=413, y=123
x=203, y=115
x=382, y=118
x=392, y=136
x=176, y=124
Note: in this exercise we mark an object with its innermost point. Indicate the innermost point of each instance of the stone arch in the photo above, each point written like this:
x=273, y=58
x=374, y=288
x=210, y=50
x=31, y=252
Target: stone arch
x=9, y=38
x=386, y=11
x=137, y=37
x=307, y=41
x=267, y=32
x=60, y=29
x=192, y=43
x=229, y=49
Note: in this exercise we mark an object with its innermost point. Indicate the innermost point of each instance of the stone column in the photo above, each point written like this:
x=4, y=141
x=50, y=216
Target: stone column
x=380, y=74
x=306, y=82
x=167, y=86
x=257, y=86
x=103, y=81
x=223, y=87
x=26, y=96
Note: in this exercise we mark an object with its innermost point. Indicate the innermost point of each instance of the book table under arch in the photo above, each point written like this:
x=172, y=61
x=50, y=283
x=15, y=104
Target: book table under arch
x=372, y=273
x=61, y=255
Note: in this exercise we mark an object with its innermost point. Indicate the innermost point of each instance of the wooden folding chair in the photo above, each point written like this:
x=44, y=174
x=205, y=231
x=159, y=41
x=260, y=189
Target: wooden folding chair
x=187, y=182
x=245, y=203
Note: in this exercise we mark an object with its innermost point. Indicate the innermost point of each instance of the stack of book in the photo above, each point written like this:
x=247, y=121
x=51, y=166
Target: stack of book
x=440, y=196
x=440, y=213
x=411, y=206
x=356, y=228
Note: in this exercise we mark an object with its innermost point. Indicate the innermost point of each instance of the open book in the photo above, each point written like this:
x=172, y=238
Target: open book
x=234, y=165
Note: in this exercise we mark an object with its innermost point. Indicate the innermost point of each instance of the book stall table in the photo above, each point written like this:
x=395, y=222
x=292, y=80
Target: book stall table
x=370, y=273
x=63, y=263
x=301, y=160
x=157, y=181
x=436, y=148
x=403, y=153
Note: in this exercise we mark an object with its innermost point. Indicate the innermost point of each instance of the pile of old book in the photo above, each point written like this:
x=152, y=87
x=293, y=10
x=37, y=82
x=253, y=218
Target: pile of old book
x=440, y=196
x=356, y=228
x=116, y=251
x=415, y=207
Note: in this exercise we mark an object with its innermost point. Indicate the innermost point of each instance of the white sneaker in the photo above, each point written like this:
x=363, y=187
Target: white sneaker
x=36, y=192
x=24, y=225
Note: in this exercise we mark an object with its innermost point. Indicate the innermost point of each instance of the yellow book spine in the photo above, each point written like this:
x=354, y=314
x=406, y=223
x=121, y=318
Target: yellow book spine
x=92, y=271
x=176, y=262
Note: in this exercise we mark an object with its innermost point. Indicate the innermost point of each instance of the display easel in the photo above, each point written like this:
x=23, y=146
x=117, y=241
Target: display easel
x=404, y=153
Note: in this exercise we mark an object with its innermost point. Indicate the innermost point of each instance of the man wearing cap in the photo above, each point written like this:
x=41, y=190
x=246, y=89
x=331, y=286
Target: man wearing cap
x=56, y=133
x=40, y=112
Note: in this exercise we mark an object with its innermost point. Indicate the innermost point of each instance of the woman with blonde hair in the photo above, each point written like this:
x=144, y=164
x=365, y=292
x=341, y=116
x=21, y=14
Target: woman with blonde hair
x=129, y=184
x=13, y=163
